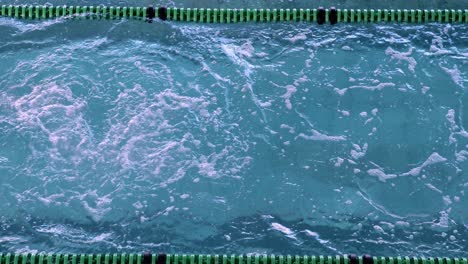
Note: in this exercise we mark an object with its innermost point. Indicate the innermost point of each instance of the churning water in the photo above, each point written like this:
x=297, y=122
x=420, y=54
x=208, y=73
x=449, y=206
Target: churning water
x=247, y=138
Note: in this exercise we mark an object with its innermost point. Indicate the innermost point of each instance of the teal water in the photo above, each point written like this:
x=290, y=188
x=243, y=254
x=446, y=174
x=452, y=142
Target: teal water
x=122, y=136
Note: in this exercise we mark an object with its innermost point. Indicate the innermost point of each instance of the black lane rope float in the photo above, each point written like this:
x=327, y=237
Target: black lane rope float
x=319, y=15
x=148, y=258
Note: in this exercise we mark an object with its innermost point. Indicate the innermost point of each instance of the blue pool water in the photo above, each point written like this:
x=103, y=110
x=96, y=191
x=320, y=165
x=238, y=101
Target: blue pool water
x=122, y=136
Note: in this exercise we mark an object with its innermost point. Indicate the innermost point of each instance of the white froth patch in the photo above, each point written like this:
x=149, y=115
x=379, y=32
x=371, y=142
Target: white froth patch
x=402, y=223
x=101, y=208
x=432, y=187
x=451, y=118
x=359, y=152
x=300, y=80
x=379, y=229
x=443, y=220
x=377, y=87
x=437, y=48
x=290, y=90
x=138, y=205
x=299, y=36
x=402, y=56
x=58, y=114
x=434, y=158
x=261, y=54
x=338, y=162
x=206, y=168
x=166, y=211
x=317, y=136
x=311, y=233
x=462, y=155
x=265, y=104
x=149, y=138
x=455, y=74
x=363, y=114
x=238, y=55
x=52, y=199
x=347, y=48
x=324, y=42
x=381, y=174
x=340, y=92
x=344, y=113
x=290, y=128
x=374, y=111
x=447, y=200
x=425, y=89
x=281, y=228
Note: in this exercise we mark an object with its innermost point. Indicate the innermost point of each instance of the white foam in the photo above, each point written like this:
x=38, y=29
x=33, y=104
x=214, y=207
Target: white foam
x=324, y=42
x=102, y=205
x=206, y=168
x=317, y=136
x=381, y=174
x=238, y=55
x=455, y=74
x=291, y=129
x=402, y=223
x=424, y=89
x=300, y=80
x=281, y=228
x=340, y=92
x=437, y=48
x=344, y=113
x=339, y=162
x=443, y=220
x=434, y=158
x=290, y=90
x=447, y=200
x=357, y=152
x=299, y=36
x=377, y=87
x=265, y=104
x=379, y=229
x=311, y=233
x=261, y=54
x=462, y=155
x=403, y=56
x=432, y=187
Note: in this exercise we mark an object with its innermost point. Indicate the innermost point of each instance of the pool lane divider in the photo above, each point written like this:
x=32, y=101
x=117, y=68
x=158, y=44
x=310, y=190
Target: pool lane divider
x=148, y=258
x=319, y=15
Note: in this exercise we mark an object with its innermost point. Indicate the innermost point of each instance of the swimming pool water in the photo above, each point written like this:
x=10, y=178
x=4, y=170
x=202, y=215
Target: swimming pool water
x=122, y=136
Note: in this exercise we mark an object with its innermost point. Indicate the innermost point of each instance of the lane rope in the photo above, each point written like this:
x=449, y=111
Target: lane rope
x=148, y=258
x=318, y=15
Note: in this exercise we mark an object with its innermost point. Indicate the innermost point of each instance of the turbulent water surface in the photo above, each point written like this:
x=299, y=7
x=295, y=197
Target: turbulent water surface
x=124, y=136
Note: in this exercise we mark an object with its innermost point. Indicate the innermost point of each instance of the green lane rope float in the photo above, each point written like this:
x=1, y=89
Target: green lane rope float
x=148, y=258
x=221, y=15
